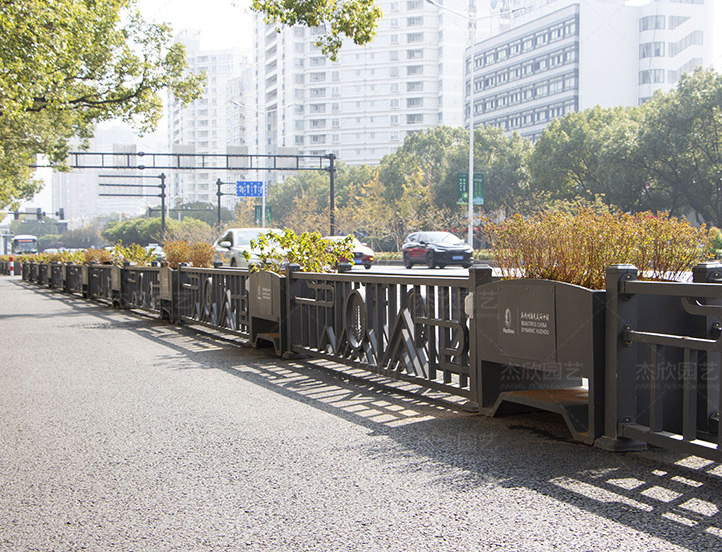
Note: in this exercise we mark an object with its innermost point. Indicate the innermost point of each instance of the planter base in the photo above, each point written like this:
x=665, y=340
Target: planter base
x=619, y=445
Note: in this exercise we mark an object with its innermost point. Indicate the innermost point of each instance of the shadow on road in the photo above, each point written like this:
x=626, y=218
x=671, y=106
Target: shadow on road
x=667, y=495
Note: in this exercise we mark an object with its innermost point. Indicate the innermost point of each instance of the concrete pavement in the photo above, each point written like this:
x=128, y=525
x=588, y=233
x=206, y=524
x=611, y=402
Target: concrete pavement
x=118, y=432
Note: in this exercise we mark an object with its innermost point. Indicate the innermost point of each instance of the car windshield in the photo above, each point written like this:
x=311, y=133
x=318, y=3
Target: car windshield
x=244, y=237
x=443, y=237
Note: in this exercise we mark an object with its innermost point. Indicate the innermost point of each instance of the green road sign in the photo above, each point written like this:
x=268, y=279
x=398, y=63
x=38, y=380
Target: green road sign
x=257, y=214
x=462, y=187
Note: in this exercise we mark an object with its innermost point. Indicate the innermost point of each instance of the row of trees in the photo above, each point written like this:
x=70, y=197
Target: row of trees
x=663, y=155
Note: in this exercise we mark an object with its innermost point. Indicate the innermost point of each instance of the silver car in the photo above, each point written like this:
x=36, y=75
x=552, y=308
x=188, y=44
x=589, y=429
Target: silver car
x=234, y=242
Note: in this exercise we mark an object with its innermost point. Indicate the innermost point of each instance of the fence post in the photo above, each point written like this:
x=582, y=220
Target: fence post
x=289, y=323
x=168, y=293
x=620, y=400
x=478, y=277
x=708, y=385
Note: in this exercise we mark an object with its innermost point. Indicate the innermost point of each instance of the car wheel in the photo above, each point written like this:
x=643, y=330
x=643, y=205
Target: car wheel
x=430, y=262
x=367, y=266
x=442, y=266
x=407, y=261
x=466, y=265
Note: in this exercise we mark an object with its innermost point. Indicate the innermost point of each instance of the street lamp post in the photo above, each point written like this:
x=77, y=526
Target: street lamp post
x=470, y=181
x=472, y=19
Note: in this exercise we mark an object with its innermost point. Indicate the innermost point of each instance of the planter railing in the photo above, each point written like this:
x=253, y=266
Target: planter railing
x=212, y=297
x=6, y=265
x=664, y=343
x=409, y=328
x=139, y=288
x=635, y=364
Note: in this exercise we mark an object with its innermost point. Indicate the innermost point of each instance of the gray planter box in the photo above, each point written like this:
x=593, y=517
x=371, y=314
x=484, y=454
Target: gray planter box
x=540, y=344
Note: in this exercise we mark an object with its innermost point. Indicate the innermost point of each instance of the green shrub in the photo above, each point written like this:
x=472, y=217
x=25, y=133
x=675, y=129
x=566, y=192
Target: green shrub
x=578, y=248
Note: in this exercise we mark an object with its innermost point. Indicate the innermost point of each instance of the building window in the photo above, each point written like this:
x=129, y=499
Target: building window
x=692, y=39
x=299, y=140
x=414, y=69
x=318, y=108
x=414, y=21
x=316, y=77
x=414, y=54
x=414, y=37
x=318, y=139
x=651, y=22
x=318, y=60
x=394, y=39
x=651, y=49
x=651, y=76
x=414, y=119
x=414, y=102
x=676, y=20
x=318, y=92
x=394, y=119
x=414, y=4
x=318, y=123
x=414, y=86
x=394, y=104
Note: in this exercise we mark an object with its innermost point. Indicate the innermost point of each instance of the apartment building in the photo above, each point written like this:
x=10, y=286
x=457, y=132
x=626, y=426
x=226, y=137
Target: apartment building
x=362, y=106
x=559, y=56
x=212, y=124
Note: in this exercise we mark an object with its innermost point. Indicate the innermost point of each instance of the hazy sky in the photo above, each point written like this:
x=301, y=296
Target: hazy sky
x=223, y=23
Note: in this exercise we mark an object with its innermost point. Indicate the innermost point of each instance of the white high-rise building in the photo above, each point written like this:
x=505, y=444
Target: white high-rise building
x=362, y=106
x=561, y=55
x=212, y=124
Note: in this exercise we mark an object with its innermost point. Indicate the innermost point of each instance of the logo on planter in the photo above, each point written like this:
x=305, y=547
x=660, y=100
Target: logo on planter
x=526, y=314
x=507, y=323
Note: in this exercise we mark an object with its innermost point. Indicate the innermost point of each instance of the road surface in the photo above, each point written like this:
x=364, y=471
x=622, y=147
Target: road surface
x=119, y=432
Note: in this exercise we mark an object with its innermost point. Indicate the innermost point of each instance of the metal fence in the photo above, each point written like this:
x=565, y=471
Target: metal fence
x=213, y=297
x=139, y=288
x=404, y=327
x=635, y=364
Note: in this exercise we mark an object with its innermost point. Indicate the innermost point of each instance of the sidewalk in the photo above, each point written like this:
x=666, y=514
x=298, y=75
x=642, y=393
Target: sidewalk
x=120, y=432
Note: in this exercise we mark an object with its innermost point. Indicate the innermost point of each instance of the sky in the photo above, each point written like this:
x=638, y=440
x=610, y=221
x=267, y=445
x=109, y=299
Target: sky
x=223, y=23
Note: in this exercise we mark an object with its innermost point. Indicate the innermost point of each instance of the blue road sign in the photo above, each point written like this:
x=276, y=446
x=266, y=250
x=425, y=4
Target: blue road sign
x=249, y=188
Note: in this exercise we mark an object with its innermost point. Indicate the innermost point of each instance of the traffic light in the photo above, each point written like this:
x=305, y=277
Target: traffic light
x=39, y=213
x=16, y=215
x=61, y=214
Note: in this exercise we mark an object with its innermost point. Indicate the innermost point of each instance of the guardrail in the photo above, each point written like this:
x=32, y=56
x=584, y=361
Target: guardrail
x=635, y=364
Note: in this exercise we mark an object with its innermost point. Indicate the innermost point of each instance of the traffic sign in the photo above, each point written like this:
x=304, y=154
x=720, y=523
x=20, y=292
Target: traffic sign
x=462, y=185
x=257, y=214
x=249, y=188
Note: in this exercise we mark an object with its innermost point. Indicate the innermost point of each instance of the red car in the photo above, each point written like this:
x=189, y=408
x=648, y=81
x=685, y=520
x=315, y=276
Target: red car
x=362, y=253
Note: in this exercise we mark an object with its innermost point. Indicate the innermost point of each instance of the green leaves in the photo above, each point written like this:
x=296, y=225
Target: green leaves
x=69, y=64
x=355, y=19
x=308, y=250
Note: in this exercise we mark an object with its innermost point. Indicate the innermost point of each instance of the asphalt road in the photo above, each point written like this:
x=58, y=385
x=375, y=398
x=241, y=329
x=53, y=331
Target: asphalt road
x=118, y=432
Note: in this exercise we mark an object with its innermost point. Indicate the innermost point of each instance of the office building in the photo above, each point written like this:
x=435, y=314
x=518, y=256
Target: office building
x=559, y=56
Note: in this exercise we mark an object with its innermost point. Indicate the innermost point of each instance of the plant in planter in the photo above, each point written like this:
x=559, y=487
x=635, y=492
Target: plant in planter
x=134, y=254
x=99, y=256
x=578, y=248
x=309, y=250
x=199, y=254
